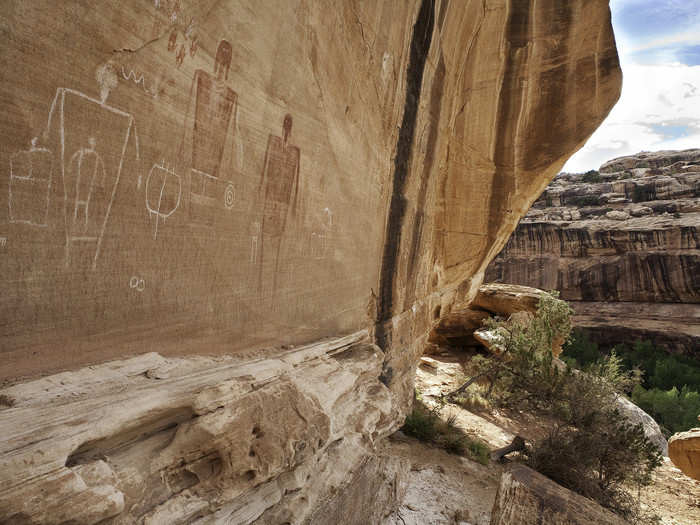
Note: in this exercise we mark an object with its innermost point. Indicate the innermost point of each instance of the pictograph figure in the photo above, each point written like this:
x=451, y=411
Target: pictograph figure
x=95, y=143
x=31, y=174
x=321, y=235
x=279, y=191
x=87, y=171
x=207, y=147
x=163, y=192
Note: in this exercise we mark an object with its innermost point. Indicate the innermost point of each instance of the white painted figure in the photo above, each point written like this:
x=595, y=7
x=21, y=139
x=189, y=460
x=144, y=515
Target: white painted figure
x=94, y=141
x=31, y=174
x=163, y=193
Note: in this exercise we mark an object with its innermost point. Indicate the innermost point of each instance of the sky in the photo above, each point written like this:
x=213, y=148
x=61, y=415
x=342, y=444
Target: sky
x=659, y=46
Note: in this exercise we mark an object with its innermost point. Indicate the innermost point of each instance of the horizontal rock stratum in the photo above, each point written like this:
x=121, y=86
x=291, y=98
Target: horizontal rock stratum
x=234, y=179
x=622, y=244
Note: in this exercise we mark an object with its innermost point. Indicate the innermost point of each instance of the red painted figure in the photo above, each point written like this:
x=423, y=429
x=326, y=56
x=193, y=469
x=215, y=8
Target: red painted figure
x=279, y=189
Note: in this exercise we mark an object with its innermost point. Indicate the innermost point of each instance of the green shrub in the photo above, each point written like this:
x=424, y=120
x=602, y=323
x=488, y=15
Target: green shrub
x=421, y=424
x=669, y=387
x=591, y=449
x=675, y=410
x=425, y=424
x=478, y=451
x=581, y=349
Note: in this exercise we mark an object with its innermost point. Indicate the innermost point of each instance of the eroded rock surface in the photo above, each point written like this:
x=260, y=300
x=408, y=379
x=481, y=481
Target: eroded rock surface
x=622, y=245
x=202, y=440
x=526, y=497
x=684, y=451
x=228, y=178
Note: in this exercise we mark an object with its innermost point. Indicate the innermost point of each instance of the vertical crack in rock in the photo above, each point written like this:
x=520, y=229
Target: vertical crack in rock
x=420, y=46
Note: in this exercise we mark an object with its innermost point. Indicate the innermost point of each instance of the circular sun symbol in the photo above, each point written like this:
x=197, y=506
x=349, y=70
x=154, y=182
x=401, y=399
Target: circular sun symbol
x=229, y=196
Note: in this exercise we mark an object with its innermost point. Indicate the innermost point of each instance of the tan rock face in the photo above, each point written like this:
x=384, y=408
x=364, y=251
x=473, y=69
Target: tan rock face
x=684, y=451
x=230, y=177
x=627, y=235
x=526, y=497
x=507, y=299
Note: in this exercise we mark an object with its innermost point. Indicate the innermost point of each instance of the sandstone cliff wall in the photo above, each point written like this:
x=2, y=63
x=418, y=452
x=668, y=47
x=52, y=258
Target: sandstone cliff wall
x=236, y=178
x=622, y=244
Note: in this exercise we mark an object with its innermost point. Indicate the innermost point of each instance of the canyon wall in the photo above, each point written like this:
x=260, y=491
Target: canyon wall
x=260, y=208
x=622, y=244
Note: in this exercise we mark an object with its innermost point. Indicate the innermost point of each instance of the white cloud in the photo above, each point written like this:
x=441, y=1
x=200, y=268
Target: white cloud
x=690, y=37
x=659, y=109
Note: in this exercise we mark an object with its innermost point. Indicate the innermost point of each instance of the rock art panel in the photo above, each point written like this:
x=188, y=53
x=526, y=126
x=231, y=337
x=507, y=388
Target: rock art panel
x=302, y=170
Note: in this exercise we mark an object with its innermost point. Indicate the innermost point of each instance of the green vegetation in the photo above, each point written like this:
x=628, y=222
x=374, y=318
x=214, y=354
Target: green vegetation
x=675, y=410
x=670, y=384
x=425, y=424
x=624, y=175
x=590, y=448
x=591, y=176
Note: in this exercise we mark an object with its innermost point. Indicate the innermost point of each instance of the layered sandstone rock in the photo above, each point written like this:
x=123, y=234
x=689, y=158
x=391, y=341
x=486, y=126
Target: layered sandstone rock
x=233, y=178
x=526, y=497
x=621, y=244
x=684, y=451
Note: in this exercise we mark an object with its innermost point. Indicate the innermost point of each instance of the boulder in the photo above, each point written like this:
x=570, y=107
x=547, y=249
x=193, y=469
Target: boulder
x=684, y=451
x=506, y=299
x=526, y=497
x=636, y=415
x=457, y=327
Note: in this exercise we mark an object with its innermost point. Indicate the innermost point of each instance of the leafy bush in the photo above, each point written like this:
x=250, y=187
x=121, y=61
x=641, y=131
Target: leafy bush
x=670, y=384
x=660, y=369
x=421, y=424
x=675, y=410
x=591, y=449
x=580, y=351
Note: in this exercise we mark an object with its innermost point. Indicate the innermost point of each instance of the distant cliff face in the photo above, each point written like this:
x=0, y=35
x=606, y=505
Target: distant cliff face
x=297, y=188
x=627, y=236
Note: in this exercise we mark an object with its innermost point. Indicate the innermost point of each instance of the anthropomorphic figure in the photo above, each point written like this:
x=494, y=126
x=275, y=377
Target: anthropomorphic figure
x=96, y=144
x=207, y=147
x=31, y=173
x=279, y=192
x=87, y=172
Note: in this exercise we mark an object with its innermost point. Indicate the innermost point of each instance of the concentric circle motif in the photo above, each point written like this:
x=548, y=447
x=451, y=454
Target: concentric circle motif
x=229, y=196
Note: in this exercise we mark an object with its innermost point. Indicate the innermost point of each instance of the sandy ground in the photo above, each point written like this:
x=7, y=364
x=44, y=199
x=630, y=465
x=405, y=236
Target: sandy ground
x=448, y=489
